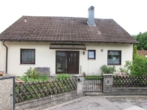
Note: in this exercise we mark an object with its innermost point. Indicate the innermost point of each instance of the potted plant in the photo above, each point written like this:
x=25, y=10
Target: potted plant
x=1, y=73
x=84, y=74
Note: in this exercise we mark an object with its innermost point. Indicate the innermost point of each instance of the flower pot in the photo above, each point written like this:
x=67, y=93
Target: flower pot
x=1, y=73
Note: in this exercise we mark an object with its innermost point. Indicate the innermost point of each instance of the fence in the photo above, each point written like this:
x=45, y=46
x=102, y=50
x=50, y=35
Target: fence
x=124, y=85
x=29, y=91
x=129, y=81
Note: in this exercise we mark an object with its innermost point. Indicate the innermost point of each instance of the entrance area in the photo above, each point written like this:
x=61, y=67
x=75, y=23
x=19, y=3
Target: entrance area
x=93, y=85
x=67, y=62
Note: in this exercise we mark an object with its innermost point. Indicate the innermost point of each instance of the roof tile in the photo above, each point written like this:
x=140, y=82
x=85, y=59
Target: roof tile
x=65, y=29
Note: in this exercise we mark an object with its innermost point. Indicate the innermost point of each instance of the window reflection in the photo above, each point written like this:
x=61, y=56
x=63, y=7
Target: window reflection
x=114, y=57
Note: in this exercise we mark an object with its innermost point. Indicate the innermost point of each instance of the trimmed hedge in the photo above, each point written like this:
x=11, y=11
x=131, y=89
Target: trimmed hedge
x=93, y=77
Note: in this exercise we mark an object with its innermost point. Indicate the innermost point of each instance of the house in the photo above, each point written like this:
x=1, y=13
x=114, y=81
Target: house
x=64, y=44
x=142, y=53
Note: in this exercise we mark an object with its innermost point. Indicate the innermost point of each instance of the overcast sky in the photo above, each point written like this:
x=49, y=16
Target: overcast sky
x=130, y=14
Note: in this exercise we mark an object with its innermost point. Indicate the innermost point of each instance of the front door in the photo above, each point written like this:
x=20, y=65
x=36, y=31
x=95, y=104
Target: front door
x=73, y=62
x=67, y=62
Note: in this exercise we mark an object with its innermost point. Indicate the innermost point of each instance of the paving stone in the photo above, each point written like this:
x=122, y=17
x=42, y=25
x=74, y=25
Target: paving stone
x=134, y=108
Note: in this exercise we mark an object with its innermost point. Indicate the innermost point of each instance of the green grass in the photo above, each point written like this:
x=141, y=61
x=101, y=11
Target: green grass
x=93, y=77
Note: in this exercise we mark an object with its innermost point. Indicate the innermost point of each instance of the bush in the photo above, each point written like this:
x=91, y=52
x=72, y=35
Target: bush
x=32, y=73
x=33, y=76
x=126, y=69
x=139, y=66
x=106, y=69
x=93, y=77
x=62, y=76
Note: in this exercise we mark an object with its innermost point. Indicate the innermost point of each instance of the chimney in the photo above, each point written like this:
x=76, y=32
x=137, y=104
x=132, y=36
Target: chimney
x=25, y=20
x=91, y=16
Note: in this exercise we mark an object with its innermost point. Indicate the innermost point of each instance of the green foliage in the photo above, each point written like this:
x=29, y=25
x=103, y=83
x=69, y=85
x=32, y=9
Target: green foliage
x=134, y=51
x=139, y=66
x=32, y=73
x=40, y=79
x=33, y=76
x=127, y=68
x=142, y=39
x=63, y=76
x=93, y=77
x=106, y=69
x=136, y=68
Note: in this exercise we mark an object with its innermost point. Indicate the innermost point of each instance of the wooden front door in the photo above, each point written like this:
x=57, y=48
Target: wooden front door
x=73, y=62
x=67, y=62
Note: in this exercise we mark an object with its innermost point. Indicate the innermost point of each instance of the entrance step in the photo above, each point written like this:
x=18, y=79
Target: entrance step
x=93, y=94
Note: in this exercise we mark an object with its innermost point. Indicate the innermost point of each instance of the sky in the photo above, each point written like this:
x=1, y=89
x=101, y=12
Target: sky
x=130, y=14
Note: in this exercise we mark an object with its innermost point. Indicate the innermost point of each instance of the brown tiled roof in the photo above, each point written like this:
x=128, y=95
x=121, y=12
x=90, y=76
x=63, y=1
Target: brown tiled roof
x=65, y=29
x=142, y=52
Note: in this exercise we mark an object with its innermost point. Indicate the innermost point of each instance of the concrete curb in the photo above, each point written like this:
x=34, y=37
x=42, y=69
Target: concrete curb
x=50, y=108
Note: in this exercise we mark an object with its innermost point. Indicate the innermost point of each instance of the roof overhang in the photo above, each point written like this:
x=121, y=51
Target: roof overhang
x=78, y=42
x=68, y=46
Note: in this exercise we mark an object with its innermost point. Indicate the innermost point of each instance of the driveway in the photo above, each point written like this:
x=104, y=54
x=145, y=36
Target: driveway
x=104, y=103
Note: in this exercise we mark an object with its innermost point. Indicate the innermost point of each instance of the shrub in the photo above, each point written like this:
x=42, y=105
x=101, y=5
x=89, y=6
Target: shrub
x=135, y=51
x=93, y=77
x=126, y=69
x=62, y=76
x=136, y=68
x=106, y=69
x=32, y=73
x=139, y=66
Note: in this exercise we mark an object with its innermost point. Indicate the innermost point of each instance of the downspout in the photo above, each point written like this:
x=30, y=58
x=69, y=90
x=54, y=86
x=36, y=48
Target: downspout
x=6, y=56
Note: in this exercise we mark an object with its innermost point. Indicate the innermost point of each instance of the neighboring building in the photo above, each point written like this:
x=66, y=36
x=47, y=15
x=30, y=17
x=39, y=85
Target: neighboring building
x=142, y=53
x=64, y=44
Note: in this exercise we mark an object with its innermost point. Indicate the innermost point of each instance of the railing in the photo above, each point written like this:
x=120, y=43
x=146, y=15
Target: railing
x=129, y=81
x=29, y=91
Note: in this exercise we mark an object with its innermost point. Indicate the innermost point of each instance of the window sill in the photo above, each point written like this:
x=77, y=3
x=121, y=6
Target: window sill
x=114, y=64
x=26, y=64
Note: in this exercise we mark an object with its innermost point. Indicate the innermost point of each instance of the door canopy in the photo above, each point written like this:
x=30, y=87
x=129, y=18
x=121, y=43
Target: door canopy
x=68, y=46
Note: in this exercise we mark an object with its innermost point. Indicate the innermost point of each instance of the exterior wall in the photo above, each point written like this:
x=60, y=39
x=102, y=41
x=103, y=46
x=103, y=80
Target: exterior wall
x=45, y=57
x=93, y=66
x=2, y=57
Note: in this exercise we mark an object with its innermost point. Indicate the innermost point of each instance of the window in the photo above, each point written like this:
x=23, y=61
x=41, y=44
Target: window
x=61, y=62
x=114, y=57
x=27, y=56
x=91, y=54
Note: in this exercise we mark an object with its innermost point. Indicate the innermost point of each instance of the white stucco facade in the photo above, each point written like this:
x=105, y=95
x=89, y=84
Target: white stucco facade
x=45, y=57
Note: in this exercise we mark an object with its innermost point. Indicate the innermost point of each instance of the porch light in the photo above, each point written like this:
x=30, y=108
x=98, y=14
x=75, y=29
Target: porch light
x=83, y=52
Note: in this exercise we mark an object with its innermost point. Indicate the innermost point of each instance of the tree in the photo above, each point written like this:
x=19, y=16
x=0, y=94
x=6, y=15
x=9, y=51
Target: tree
x=134, y=52
x=142, y=39
x=139, y=66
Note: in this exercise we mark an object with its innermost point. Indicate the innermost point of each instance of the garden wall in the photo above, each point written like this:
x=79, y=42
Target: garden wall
x=7, y=94
x=40, y=95
x=37, y=90
x=42, y=103
x=124, y=85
